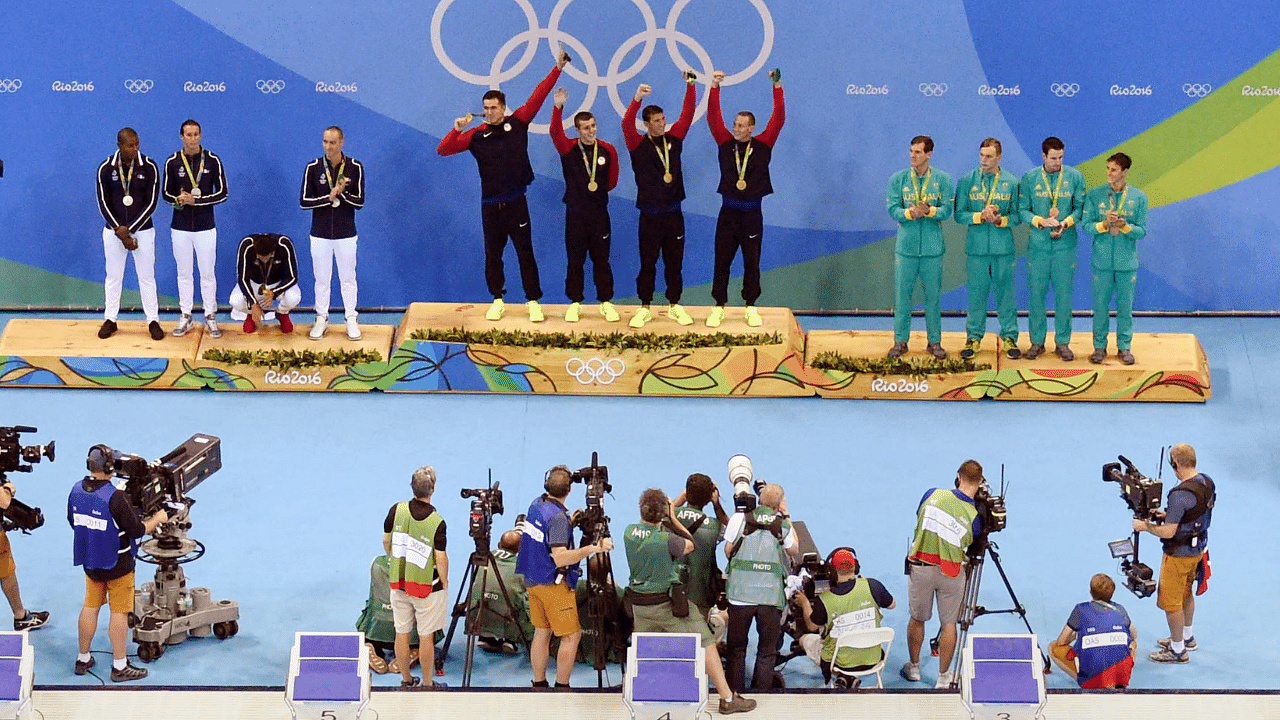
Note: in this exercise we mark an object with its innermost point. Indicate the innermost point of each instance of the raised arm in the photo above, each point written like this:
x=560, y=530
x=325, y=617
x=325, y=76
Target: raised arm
x=558, y=138
x=525, y=113
x=681, y=128
x=776, y=118
x=715, y=118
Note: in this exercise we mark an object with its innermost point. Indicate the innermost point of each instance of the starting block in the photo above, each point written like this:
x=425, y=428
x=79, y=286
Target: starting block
x=1002, y=677
x=17, y=672
x=666, y=677
x=328, y=676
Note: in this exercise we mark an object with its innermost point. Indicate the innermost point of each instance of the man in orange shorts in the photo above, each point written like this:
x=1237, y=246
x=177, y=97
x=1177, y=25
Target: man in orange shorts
x=23, y=619
x=550, y=566
x=1184, y=533
x=106, y=529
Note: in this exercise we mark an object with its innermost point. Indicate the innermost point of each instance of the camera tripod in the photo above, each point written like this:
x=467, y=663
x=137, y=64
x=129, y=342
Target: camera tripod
x=604, y=613
x=970, y=610
x=481, y=559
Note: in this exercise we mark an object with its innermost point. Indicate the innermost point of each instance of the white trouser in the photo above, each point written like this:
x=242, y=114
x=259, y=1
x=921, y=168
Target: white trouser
x=204, y=244
x=283, y=303
x=325, y=254
x=144, y=265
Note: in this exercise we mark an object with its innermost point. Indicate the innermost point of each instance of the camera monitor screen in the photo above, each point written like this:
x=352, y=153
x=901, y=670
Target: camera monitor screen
x=1121, y=548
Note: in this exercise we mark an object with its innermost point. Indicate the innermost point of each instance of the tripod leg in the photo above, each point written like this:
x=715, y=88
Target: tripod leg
x=1017, y=606
x=468, y=578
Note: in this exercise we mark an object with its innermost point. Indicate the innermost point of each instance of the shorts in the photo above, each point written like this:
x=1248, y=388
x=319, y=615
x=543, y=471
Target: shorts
x=1176, y=576
x=658, y=619
x=1067, y=654
x=927, y=582
x=554, y=606
x=7, y=567
x=429, y=612
x=119, y=590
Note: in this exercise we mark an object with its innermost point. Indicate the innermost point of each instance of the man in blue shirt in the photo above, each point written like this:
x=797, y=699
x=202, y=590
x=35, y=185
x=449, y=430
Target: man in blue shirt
x=1099, y=641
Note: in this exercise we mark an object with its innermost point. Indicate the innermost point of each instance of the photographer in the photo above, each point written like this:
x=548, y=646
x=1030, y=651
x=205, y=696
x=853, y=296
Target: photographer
x=652, y=555
x=758, y=569
x=700, y=574
x=549, y=563
x=504, y=626
x=106, y=529
x=23, y=619
x=947, y=522
x=853, y=603
x=414, y=538
x=1098, y=644
x=1184, y=533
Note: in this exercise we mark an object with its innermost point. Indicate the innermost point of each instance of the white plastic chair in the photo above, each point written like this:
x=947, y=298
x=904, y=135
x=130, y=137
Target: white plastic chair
x=862, y=639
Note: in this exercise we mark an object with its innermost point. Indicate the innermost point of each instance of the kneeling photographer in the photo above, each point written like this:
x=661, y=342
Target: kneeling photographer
x=852, y=603
x=1097, y=645
x=653, y=547
x=1184, y=532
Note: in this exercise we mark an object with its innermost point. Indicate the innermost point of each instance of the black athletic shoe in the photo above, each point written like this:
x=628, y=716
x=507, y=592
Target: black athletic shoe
x=32, y=621
x=157, y=332
x=107, y=330
x=83, y=667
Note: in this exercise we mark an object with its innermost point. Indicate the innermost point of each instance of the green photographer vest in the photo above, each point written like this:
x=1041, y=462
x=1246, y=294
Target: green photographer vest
x=413, y=560
x=758, y=569
x=700, y=565
x=652, y=567
x=853, y=611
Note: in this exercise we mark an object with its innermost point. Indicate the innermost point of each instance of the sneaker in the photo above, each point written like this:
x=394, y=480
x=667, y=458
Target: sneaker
x=716, y=317
x=910, y=671
x=377, y=663
x=509, y=647
x=1099, y=354
x=736, y=705
x=971, y=348
x=495, y=310
x=642, y=316
x=535, y=311
x=412, y=682
x=32, y=621
x=249, y=326
x=489, y=644
x=1065, y=353
x=83, y=667
x=609, y=312
x=157, y=332
x=1165, y=655
x=944, y=681
x=353, y=330
x=211, y=326
x=438, y=686
x=184, y=325
x=677, y=313
x=1010, y=347
x=1034, y=352
x=1164, y=642
x=574, y=313
x=130, y=672
x=935, y=349
x=1126, y=357
x=753, y=317
x=320, y=327
x=898, y=350
x=107, y=330
x=286, y=324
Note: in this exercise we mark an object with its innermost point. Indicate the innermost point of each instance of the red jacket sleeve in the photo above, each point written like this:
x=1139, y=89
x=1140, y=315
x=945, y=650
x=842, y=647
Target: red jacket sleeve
x=558, y=138
x=525, y=113
x=455, y=142
x=779, y=116
x=681, y=128
x=613, y=163
x=629, y=132
x=715, y=118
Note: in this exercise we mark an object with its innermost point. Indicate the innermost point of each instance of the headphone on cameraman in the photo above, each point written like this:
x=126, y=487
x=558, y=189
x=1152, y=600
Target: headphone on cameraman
x=100, y=460
x=830, y=566
x=546, y=479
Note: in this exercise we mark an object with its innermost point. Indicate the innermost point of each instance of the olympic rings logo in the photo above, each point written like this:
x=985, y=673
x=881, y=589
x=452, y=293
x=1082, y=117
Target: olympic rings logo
x=933, y=89
x=10, y=85
x=1197, y=90
x=595, y=370
x=138, y=86
x=270, y=87
x=1064, y=90
x=589, y=74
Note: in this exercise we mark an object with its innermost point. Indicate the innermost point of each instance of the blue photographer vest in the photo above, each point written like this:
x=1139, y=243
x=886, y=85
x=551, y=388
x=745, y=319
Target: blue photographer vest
x=1102, y=646
x=534, y=560
x=97, y=538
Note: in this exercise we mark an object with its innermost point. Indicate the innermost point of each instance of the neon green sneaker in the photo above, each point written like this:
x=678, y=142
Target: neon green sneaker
x=642, y=316
x=495, y=310
x=535, y=311
x=609, y=312
x=971, y=348
x=716, y=317
x=677, y=313
x=573, y=313
x=753, y=317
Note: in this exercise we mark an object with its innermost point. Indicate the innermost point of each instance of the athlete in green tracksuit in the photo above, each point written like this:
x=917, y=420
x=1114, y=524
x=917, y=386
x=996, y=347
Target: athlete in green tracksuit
x=987, y=205
x=919, y=198
x=1115, y=215
x=1051, y=200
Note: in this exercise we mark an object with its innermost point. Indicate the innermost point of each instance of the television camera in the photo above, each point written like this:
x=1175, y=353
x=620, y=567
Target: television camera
x=164, y=611
x=485, y=503
x=16, y=457
x=1143, y=496
x=605, y=616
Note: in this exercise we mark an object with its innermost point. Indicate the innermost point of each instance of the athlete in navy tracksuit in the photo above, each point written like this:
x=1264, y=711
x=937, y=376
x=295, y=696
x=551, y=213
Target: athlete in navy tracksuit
x=333, y=189
x=193, y=183
x=128, y=192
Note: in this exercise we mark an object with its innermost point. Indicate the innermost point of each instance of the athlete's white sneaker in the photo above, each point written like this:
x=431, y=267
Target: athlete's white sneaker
x=353, y=330
x=318, y=330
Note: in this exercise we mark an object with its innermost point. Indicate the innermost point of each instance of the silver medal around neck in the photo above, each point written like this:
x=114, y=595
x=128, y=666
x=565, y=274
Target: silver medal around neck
x=195, y=192
x=336, y=202
x=127, y=201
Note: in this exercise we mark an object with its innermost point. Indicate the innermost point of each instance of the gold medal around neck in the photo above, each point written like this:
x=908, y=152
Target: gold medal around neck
x=593, y=186
x=742, y=184
x=667, y=178
x=127, y=200
x=195, y=192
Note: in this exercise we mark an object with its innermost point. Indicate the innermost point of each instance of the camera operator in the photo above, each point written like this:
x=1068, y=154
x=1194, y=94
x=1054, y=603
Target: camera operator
x=414, y=537
x=550, y=566
x=504, y=626
x=1184, y=533
x=849, y=606
x=652, y=555
x=947, y=522
x=1098, y=643
x=23, y=619
x=700, y=573
x=758, y=545
x=106, y=529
